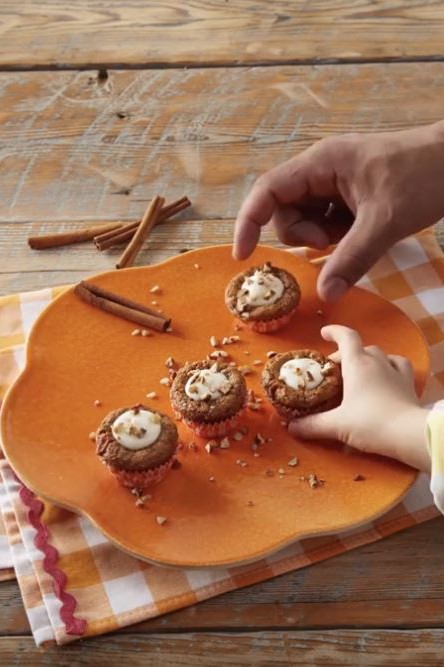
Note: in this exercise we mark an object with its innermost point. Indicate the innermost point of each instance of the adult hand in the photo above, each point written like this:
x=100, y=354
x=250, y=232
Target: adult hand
x=390, y=184
x=380, y=412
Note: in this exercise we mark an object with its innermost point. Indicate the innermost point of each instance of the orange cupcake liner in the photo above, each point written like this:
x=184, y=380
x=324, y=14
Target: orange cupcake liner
x=141, y=479
x=269, y=326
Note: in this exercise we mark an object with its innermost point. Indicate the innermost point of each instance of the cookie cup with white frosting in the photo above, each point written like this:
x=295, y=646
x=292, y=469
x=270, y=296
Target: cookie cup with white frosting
x=263, y=297
x=138, y=445
x=209, y=397
x=302, y=382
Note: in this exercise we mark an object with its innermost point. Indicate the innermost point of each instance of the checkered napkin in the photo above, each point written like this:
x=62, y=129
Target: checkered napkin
x=76, y=583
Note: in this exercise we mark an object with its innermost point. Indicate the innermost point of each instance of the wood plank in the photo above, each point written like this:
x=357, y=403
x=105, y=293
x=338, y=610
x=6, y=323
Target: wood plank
x=394, y=583
x=65, y=154
x=371, y=648
x=87, y=32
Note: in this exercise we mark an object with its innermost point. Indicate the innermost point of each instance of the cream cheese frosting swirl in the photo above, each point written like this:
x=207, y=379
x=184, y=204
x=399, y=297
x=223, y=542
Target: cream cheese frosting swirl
x=262, y=288
x=208, y=383
x=136, y=429
x=303, y=373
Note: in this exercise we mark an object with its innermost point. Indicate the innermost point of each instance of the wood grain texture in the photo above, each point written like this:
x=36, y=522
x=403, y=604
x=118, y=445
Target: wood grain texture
x=88, y=32
x=354, y=648
x=394, y=583
x=66, y=154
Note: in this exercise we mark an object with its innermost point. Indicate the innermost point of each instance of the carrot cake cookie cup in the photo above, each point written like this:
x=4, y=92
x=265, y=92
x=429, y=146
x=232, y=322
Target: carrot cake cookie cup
x=263, y=297
x=209, y=397
x=301, y=383
x=138, y=445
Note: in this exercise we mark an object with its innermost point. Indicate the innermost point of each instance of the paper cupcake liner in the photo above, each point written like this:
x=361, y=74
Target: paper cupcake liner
x=268, y=326
x=141, y=479
x=215, y=429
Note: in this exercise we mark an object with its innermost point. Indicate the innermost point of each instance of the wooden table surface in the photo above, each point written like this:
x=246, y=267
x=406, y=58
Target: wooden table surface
x=104, y=104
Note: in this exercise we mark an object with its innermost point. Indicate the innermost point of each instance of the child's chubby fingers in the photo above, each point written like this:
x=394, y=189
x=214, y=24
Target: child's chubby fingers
x=348, y=340
x=325, y=425
x=403, y=366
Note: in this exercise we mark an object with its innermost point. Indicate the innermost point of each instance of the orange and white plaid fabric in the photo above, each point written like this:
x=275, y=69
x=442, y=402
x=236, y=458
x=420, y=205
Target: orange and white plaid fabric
x=113, y=589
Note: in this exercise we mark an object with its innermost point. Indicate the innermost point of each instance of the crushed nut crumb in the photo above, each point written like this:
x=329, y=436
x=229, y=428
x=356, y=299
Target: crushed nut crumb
x=145, y=333
x=358, y=478
x=161, y=520
x=192, y=446
x=281, y=471
x=166, y=382
x=224, y=443
x=136, y=332
x=241, y=463
x=256, y=455
x=217, y=354
x=151, y=394
x=213, y=341
x=237, y=436
x=259, y=440
x=210, y=446
x=154, y=303
x=271, y=354
x=314, y=481
x=320, y=312
x=169, y=330
x=197, y=266
x=97, y=403
x=212, y=478
x=293, y=462
x=257, y=362
x=155, y=289
x=92, y=436
x=170, y=363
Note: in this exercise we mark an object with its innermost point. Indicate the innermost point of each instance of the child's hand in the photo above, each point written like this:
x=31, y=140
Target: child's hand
x=380, y=412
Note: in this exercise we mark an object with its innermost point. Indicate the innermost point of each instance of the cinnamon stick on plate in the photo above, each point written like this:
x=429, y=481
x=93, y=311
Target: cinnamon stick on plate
x=149, y=219
x=121, y=306
x=126, y=233
x=75, y=236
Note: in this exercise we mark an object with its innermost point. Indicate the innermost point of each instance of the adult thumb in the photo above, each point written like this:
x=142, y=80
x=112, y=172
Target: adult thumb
x=366, y=241
x=324, y=425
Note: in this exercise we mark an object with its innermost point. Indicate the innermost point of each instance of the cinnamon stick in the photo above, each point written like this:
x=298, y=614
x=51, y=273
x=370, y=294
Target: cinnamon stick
x=123, y=300
x=75, y=236
x=121, y=307
x=126, y=233
x=148, y=221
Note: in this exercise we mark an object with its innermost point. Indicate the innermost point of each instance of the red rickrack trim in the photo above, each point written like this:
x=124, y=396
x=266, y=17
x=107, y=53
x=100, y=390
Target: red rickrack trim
x=73, y=625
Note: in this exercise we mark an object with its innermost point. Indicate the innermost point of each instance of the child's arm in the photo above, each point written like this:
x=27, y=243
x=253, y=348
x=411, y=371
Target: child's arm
x=435, y=441
x=380, y=412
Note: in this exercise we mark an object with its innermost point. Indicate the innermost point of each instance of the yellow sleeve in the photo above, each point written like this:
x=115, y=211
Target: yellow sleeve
x=435, y=443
